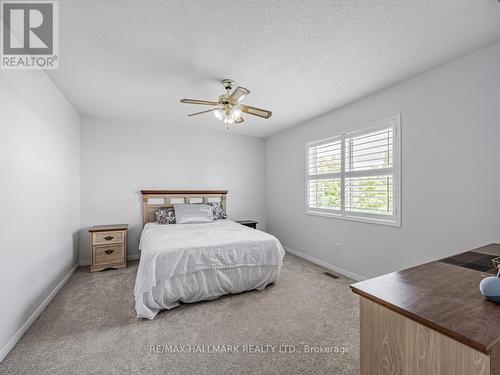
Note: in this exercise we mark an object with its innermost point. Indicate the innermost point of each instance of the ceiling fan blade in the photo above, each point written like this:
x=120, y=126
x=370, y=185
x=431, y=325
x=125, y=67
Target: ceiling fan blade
x=238, y=94
x=199, y=113
x=256, y=111
x=195, y=101
x=239, y=120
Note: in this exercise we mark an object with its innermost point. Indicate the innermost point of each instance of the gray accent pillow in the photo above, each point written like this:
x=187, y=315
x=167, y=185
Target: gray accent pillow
x=165, y=215
x=218, y=211
x=193, y=213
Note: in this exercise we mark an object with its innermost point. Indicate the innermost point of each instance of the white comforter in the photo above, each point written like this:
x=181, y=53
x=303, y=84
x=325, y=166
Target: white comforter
x=193, y=262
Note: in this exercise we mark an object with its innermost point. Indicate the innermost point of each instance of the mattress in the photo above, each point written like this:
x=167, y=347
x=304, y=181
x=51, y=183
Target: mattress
x=194, y=262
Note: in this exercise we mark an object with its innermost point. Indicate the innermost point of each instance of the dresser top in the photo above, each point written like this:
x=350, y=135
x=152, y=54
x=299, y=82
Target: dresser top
x=108, y=228
x=443, y=296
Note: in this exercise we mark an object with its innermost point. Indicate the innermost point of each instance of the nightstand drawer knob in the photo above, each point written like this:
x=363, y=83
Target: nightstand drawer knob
x=108, y=238
x=110, y=251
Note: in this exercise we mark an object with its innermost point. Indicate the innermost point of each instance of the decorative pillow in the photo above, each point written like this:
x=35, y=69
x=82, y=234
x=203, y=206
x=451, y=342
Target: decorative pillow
x=165, y=215
x=218, y=211
x=193, y=213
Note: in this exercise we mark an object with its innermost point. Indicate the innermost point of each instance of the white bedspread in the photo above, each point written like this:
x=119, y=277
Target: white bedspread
x=193, y=262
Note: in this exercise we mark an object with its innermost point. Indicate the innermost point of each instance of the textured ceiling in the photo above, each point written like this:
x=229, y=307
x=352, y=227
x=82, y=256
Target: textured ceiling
x=135, y=59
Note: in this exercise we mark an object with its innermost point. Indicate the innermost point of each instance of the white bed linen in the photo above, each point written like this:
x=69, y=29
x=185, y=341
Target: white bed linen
x=194, y=262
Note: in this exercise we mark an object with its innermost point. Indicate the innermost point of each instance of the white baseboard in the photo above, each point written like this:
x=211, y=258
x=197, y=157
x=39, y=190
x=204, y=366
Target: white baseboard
x=130, y=257
x=326, y=265
x=13, y=341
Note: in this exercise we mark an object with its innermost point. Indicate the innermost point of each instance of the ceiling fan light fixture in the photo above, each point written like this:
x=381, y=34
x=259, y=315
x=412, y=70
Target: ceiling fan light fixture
x=218, y=114
x=236, y=113
x=229, y=116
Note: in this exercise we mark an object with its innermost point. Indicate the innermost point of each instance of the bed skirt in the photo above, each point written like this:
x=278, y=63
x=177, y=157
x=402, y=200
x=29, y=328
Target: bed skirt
x=204, y=285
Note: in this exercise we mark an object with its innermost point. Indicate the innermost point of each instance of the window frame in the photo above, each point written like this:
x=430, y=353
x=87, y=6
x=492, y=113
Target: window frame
x=393, y=220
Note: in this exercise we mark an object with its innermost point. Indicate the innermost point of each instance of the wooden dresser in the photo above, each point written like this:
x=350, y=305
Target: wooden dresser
x=431, y=319
x=108, y=247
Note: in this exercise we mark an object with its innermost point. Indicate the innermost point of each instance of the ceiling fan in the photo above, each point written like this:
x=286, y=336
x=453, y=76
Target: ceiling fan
x=229, y=108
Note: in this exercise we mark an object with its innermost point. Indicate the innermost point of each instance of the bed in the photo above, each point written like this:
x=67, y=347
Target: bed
x=185, y=263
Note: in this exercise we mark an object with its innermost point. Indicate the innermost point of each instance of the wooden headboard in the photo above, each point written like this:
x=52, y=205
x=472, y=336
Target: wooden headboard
x=154, y=199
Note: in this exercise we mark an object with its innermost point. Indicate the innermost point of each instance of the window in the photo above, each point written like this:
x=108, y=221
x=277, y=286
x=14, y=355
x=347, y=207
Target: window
x=356, y=175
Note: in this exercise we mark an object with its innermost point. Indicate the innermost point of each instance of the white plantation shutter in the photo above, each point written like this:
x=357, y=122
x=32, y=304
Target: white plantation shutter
x=324, y=165
x=356, y=175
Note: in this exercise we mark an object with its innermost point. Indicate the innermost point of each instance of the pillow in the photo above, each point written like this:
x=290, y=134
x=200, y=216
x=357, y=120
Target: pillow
x=218, y=211
x=165, y=215
x=193, y=213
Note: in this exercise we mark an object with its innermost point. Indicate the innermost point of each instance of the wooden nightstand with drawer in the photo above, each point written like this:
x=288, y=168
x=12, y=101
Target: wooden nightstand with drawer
x=108, y=247
x=248, y=223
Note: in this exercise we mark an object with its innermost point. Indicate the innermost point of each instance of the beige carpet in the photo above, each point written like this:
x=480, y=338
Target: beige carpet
x=91, y=328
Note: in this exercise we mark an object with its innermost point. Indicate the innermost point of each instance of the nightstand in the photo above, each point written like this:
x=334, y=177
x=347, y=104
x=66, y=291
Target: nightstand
x=248, y=223
x=108, y=247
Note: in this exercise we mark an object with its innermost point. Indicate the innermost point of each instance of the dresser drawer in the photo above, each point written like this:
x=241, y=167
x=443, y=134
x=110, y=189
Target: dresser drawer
x=100, y=238
x=105, y=254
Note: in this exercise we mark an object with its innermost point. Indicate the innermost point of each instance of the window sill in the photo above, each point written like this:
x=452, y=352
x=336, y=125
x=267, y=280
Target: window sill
x=362, y=219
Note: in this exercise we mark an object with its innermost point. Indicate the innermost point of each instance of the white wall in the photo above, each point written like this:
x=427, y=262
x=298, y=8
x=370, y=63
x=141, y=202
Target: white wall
x=39, y=195
x=450, y=167
x=120, y=158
